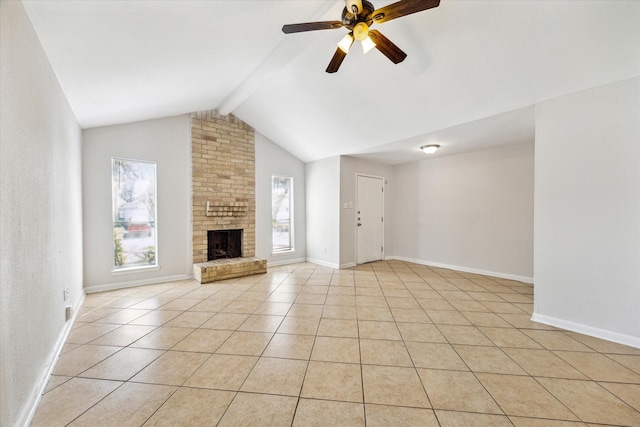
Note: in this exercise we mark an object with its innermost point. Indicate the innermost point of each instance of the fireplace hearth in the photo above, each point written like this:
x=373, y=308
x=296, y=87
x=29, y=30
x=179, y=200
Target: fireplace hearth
x=222, y=244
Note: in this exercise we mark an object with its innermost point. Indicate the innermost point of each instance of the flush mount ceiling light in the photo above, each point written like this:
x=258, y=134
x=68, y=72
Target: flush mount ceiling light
x=430, y=149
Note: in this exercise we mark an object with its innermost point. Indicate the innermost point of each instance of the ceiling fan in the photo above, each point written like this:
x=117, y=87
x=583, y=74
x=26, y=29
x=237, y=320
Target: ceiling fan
x=357, y=17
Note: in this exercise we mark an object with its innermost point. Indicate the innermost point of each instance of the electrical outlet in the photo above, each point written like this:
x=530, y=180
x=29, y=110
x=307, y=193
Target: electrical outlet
x=65, y=294
x=325, y=249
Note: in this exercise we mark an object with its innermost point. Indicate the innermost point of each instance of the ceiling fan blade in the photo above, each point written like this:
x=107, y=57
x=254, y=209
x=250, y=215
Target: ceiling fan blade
x=311, y=26
x=402, y=8
x=386, y=46
x=337, y=59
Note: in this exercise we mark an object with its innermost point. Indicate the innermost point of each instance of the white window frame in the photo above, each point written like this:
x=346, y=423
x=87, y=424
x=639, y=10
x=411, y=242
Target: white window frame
x=291, y=248
x=117, y=215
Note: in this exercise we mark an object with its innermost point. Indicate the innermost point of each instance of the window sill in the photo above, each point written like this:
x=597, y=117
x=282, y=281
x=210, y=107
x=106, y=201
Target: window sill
x=132, y=270
x=291, y=251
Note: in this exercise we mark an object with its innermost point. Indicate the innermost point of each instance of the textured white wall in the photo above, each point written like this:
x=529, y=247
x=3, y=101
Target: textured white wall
x=273, y=160
x=166, y=142
x=323, y=211
x=587, y=212
x=349, y=168
x=41, y=214
x=470, y=211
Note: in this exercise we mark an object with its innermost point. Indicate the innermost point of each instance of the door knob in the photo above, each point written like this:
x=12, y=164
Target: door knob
x=359, y=224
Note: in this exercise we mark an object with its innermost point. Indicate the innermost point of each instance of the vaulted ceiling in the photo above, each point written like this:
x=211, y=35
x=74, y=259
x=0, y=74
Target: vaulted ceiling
x=474, y=71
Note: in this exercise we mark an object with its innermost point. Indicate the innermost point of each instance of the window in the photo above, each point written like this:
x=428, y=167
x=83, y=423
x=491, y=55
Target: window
x=134, y=213
x=282, y=213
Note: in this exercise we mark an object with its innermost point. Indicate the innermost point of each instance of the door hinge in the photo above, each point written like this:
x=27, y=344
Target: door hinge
x=381, y=219
x=381, y=248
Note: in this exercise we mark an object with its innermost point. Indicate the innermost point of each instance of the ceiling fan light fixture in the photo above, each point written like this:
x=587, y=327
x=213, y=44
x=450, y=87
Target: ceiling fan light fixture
x=361, y=31
x=367, y=45
x=356, y=16
x=345, y=43
x=430, y=149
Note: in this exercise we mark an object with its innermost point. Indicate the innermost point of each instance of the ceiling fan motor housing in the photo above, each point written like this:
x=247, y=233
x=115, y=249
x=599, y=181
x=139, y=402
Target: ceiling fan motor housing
x=350, y=20
x=354, y=5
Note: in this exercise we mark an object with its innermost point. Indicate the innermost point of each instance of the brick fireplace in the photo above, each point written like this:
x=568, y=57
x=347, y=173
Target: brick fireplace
x=223, y=162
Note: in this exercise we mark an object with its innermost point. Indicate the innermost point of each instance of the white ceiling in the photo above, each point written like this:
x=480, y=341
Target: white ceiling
x=474, y=70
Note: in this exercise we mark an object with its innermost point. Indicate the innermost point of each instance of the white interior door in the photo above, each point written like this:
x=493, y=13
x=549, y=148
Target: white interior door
x=369, y=219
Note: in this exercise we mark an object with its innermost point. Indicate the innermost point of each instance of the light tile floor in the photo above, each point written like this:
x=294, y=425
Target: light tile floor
x=383, y=344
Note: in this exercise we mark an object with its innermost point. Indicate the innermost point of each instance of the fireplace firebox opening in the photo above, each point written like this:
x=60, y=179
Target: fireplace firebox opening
x=224, y=244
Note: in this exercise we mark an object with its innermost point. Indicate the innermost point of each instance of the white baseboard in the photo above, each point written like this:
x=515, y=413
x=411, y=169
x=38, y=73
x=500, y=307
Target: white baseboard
x=123, y=285
x=508, y=276
x=348, y=265
x=285, y=262
x=604, y=334
x=323, y=263
x=30, y=406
